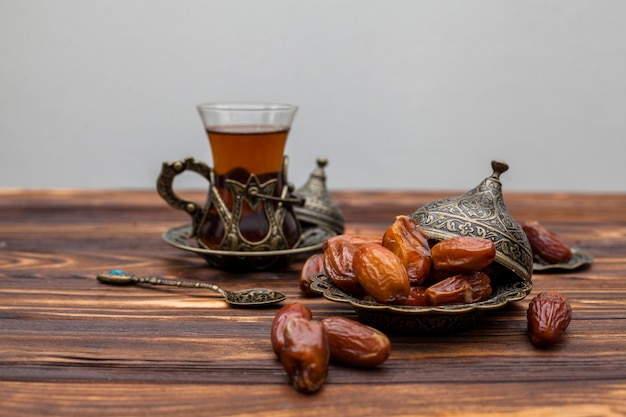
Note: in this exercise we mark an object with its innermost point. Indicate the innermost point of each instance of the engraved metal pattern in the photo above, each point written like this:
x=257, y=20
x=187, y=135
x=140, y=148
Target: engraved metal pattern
x=244, y=194
x=319, y=208
x=257, y=296
x=481, y=212
x=416, y=319
x=406, y=323
x=169, y=170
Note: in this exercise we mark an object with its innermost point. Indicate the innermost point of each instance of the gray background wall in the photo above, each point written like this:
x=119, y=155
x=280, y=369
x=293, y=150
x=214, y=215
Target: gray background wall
x=397, y=94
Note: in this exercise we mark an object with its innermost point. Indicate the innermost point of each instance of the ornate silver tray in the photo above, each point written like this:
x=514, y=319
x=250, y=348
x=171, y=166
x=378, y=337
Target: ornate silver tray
x=579, y=258
x=181, y=237
x=414, y=319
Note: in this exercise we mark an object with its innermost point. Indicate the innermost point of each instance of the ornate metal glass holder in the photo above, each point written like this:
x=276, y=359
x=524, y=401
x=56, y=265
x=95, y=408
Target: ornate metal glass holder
x=316, y=214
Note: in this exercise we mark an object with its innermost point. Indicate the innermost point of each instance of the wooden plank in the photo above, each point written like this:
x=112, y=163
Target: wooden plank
x=490, y=399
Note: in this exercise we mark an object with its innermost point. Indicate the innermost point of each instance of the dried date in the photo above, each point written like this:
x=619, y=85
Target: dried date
x=279, y=323
x=305, y=354
x=381, y=273
x=463, y=254
x=353, y=343
x=312, y=266
x=339, y=265
x=545, y=244
x=356, y=240
x=459, y=289
x=406, y=239
x=417, y=297
x=549, y=314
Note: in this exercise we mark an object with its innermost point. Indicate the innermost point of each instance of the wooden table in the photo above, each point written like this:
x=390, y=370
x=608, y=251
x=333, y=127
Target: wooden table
x=70, y=345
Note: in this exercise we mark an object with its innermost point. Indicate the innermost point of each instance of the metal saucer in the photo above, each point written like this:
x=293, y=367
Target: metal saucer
x=181, y=237
x=579, y=258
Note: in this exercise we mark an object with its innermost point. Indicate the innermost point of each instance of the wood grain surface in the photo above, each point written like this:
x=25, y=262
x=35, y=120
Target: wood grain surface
x=70, y=345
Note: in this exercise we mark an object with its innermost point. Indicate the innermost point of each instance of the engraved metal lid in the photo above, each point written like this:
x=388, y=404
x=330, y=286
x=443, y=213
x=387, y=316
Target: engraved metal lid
x=481, y=212
x=319, y=208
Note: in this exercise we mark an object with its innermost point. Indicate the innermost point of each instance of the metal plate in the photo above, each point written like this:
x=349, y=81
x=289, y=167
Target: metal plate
x=579, y=258
x=413, y=319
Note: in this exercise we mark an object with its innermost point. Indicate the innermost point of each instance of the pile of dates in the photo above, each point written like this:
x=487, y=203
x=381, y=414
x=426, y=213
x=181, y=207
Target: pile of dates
x=404, y=267
x=305, y=346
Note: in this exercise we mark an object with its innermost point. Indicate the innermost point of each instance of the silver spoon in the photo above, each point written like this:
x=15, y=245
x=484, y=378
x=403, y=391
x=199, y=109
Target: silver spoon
x=242, y=298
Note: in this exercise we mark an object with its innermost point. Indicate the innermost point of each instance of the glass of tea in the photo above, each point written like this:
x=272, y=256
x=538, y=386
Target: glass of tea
x=248, y=206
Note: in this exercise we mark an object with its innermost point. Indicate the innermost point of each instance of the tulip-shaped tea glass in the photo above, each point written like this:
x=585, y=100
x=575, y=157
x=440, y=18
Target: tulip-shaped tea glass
x=249, y=205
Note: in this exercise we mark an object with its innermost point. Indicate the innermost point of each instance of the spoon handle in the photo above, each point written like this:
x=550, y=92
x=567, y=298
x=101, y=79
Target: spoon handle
x=119, y=277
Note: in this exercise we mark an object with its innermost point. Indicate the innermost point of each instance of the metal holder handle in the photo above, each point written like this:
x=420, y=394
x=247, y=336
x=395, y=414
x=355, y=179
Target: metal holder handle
x=169, y=171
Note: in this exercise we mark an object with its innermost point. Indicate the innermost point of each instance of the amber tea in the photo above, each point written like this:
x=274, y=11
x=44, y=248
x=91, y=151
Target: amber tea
x=258, y=149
